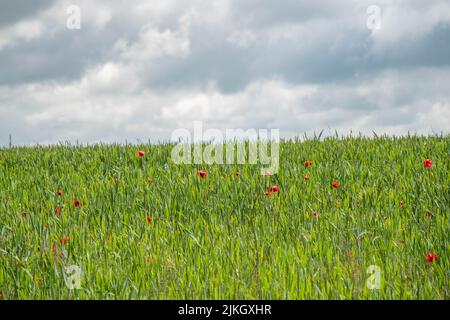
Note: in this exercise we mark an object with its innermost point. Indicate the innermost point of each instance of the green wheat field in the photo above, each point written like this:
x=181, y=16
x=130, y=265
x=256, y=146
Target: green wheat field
x=143, y=227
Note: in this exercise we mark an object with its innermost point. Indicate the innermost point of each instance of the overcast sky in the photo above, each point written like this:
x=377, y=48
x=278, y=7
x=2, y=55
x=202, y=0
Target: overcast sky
x=141, y=69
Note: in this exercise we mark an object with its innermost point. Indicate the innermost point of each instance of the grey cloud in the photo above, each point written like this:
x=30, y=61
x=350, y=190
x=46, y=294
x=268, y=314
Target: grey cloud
x=16, y=10
x=266, y=13
x=329, y=49
x=333, y=55
x=246, y=68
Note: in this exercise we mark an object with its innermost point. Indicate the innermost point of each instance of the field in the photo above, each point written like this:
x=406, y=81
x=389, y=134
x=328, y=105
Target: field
x=146, y=228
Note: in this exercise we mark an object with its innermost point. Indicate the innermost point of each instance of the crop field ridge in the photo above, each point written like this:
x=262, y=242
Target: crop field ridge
x=343, y=218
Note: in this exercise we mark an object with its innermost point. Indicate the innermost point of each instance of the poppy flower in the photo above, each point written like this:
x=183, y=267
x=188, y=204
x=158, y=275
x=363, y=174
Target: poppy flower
x=308, y=163
x=59, y=192
x=431, y=257
x=427, y=163
x=53, y=248
x=64, y=240
x=58, y=209
x=306, y=177
x=149, y=218
x=335, y=184
x=274, y=189
x=76, y=203
x=140, y=153
x=202, y=173
x=315, y=214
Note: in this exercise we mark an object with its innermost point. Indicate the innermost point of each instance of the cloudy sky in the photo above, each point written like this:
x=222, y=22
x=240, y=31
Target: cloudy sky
x=141, y=69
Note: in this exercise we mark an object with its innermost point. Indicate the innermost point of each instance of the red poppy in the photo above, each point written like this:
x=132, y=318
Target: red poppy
x=306, y=177
x=59, y=192
x=431, y=257
x=76, y=203
x=308, y=163
x=64, y=240
x=427, y=163
x=53, y=248
x=58, y=209
x=314, y=214
x=149, y=218
x=140, y=153
x=335, y=184
x=202, y=173
x=274, y=189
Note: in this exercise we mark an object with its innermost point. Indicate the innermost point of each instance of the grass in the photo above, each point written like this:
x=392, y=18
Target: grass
x=221, y=237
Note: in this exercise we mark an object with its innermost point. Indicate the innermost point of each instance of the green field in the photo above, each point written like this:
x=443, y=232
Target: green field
x=146, y=228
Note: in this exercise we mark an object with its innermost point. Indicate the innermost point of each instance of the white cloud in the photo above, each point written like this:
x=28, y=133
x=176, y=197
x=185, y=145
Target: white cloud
x=153, y=44
x=75, y=112
x=437, y=118
x=22, y=31
x=402, y=21
x=242, y=38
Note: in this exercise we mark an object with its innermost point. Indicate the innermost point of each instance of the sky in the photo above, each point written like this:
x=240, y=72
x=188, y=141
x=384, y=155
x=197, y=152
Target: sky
x=138, y=70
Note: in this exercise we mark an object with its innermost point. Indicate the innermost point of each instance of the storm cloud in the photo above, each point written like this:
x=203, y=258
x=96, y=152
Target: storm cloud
x=141, y=69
